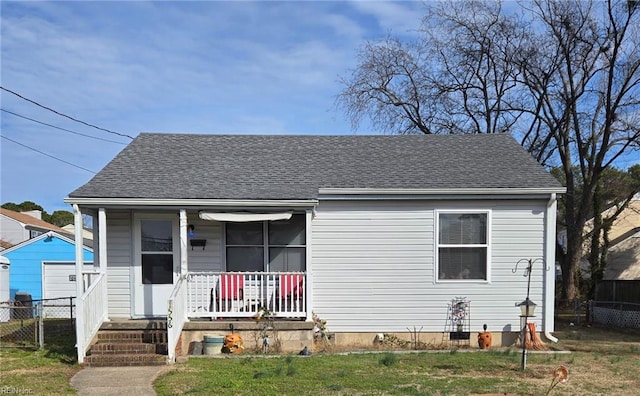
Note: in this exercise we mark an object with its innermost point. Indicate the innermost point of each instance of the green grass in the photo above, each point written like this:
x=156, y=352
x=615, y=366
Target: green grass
x=602, y=362
x=409, y=374
x=40, y=372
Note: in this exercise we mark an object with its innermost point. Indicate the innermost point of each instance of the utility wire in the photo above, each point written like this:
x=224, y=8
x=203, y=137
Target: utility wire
x=61, y=114
x=62, y=129
x=48, y=155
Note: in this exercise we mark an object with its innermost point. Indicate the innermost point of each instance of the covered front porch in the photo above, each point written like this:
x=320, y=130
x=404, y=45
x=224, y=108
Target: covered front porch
x=183, y=267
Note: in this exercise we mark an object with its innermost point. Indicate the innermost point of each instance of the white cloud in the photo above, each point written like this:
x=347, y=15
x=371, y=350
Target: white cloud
x=395, y=17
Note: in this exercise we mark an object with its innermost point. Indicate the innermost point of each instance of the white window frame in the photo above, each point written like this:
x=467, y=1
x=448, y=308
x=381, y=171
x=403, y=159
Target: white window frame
x=437, y=244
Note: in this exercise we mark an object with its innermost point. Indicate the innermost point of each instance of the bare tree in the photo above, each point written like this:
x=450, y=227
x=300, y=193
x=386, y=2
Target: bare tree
x=583, y=67
x=454, y=80
x=562, y=77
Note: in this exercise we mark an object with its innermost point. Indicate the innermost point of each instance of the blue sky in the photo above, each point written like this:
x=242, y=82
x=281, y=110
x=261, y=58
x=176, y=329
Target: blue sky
x=194, y=67
x=259, y=67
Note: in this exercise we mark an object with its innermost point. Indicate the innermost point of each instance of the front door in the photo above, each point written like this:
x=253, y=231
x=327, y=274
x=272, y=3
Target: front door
x=157, y=264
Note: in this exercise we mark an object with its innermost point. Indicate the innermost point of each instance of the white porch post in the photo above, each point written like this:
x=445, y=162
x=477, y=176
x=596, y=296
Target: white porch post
x=77, y=225
x=309, y=261
x=183, y=243
x=102, y=257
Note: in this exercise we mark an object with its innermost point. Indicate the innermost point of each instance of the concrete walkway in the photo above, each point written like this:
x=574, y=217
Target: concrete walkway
x=130, y=380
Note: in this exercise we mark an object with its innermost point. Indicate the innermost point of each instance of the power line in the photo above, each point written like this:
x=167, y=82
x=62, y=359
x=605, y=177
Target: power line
x=62, y=129
x=48, y=155
x=61, y=114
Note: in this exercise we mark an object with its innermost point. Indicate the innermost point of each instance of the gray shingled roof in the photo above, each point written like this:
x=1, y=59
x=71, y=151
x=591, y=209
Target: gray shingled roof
x=188, y=166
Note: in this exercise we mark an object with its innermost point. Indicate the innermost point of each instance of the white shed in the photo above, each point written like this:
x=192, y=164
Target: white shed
x=59, y=285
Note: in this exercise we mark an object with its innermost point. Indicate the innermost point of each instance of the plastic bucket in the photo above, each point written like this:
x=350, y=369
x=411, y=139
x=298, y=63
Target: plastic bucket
x=213, y=344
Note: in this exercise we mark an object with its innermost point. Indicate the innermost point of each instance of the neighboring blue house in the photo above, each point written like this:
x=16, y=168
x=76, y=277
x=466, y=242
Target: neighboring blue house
x=50, y=256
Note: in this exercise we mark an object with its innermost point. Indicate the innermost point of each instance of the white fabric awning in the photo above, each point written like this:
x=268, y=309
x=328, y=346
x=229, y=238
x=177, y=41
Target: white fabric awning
x=241, y=217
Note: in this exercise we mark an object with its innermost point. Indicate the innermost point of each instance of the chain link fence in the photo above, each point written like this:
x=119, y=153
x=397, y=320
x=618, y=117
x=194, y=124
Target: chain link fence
x=574, y=311
x=31, y=323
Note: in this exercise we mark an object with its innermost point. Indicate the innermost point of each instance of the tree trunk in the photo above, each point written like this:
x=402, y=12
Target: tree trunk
x=571, y=276
x=571, y=265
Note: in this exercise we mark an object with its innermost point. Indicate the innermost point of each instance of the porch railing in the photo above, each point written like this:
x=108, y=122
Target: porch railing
x=88, y=277
x=246, y=294
x=176, y=316
x=89, y=320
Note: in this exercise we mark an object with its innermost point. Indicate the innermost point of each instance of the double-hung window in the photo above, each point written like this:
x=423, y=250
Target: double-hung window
x=462, y=245
x=277, y=246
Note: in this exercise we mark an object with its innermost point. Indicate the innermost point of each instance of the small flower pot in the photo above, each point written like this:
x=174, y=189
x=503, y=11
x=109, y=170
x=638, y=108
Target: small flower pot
x=484, y=340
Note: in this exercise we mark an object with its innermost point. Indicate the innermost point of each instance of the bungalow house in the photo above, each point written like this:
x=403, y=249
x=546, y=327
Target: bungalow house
x=374, y=234
x=16, y=227
x=623, y=257
x=623, y=262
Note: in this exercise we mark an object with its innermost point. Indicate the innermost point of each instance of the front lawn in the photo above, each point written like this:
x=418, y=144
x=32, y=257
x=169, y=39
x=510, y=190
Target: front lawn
x=603, y=362
x=24, y=370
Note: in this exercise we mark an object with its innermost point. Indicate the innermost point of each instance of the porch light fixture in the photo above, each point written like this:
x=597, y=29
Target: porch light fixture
x=191, y=231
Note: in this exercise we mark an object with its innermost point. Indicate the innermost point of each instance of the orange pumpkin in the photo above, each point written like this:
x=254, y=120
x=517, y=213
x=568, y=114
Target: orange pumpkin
x=232, y=343
x=484, y=340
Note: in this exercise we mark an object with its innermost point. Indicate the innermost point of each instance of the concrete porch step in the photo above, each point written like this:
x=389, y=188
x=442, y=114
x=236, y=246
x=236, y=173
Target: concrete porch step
x=125, y=360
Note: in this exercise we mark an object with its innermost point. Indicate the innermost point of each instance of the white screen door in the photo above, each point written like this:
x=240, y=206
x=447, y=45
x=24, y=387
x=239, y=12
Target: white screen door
x=157, y=265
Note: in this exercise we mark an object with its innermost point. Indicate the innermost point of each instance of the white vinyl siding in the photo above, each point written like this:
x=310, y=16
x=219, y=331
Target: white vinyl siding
x=12, y=231
x=373, y=265
x=119, y=261
x=209, y=258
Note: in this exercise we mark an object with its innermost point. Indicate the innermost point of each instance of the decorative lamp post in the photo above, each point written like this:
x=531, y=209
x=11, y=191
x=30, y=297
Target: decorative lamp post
x=527, y=310
x=527, y=307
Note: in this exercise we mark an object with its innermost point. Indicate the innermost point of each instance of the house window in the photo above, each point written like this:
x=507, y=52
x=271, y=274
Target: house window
x=33, y=234
x=278, y=246
x=157, y=251
x=462, y=245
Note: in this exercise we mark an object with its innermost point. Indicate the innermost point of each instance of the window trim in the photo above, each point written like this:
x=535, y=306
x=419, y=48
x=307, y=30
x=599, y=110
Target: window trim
x=265, y=244
x=437, y=245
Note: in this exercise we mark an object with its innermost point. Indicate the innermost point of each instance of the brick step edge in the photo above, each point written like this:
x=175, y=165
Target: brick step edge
x=132, y=337
x=110, y=348
x=107, y=348
x=117, y=360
